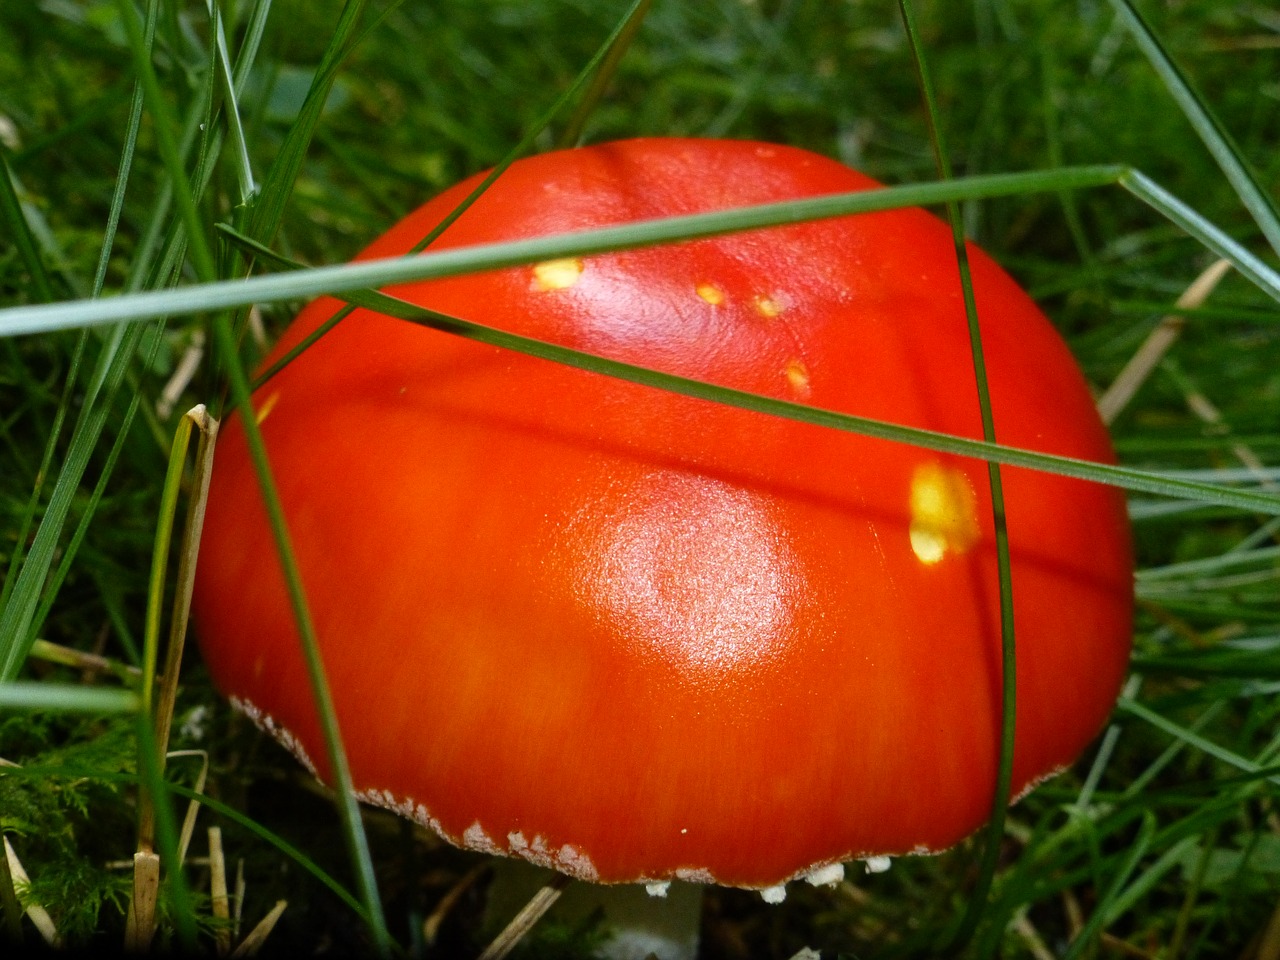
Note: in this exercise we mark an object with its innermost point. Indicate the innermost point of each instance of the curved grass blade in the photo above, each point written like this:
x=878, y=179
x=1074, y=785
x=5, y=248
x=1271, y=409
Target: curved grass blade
x=369, y=274
x=1256, y=199
x=1172, y=485
x=168, y=508
x=959, y=936
x=159, y=711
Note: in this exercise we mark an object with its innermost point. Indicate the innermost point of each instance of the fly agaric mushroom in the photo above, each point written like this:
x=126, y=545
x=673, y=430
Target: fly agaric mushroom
x=635, y=636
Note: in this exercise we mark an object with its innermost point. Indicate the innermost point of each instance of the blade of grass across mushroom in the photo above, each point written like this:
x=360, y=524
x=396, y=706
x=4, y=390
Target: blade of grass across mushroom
x=377, y=273
x=1125, y=477
x=959, y=935
x=368, y=274
x=1215, y=136
x=599, y=66
x=1079, y=177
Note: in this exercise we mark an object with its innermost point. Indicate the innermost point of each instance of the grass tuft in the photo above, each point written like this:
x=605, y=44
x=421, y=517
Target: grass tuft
x=145, y=149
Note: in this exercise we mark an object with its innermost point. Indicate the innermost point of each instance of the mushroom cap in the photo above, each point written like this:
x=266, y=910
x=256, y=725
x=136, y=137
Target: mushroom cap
x=633, y=635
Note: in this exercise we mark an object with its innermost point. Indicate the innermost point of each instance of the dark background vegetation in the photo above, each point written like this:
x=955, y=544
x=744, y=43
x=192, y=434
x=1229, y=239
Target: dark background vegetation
x=441, y=89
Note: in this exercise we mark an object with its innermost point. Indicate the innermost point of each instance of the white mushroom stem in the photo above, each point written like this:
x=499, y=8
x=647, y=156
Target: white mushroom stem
x=661, y=920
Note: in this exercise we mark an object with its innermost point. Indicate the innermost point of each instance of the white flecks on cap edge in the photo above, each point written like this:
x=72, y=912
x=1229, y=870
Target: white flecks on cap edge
x=827, y=876
x=569, y=859
x=264, y=722
x=695, y=875
x=1031, y=785
x=405, y=808
x=474, y=838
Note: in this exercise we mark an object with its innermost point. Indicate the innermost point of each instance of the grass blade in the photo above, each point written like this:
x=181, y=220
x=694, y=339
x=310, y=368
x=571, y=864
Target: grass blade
x=1256, y=199
x=1137, y=850
x=344, y=790
x=377, y=273
x=277, y=186
x=1169, y=206
x=1171, y=485
x=960, y=935
x=73, y=698
x=163, y=125
x=17, y=616
x=151, y=781
x=615, y=50
x=1204, y=745
x=19, y=231
x=244, y=166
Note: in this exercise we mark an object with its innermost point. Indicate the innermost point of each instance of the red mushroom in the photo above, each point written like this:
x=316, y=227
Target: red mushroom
x=635, y=636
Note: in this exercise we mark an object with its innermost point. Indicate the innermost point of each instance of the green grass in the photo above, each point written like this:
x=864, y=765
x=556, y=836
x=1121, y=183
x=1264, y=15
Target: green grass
x=1163, y=841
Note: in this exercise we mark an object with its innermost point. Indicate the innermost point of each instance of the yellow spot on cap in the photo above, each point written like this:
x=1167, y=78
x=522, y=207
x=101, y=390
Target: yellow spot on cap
x=798, y=376
x=711, y=293
x=768, y=307
x=944, y=513
x=556, y=274
x=268, y=405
